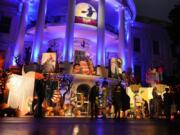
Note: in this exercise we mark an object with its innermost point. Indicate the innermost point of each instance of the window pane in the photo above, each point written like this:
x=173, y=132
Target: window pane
x=156, y=47
x=5, y=24
x=137, y=73
x=137, y=47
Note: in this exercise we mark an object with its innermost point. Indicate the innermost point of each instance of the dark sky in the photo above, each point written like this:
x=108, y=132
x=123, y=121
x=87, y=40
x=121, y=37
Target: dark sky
x=158, y=9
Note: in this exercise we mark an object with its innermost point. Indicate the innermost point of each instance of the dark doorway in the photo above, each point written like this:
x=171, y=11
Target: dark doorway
x=84, y=88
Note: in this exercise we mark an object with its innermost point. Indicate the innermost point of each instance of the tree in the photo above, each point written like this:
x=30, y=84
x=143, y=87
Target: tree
x=174, y=27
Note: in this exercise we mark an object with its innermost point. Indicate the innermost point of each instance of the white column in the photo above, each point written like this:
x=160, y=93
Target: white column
x=129, y=57
x=121, y=46
x=69, y=37
x=100, y=52
x=19, y=44
x=37, y=44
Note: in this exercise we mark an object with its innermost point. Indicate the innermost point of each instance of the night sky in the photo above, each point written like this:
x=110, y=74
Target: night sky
x=158, y=9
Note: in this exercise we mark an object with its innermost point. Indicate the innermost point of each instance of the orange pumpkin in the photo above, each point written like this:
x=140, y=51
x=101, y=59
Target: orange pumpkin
x=64, y=107
x=38, y=76
x=138, y=117
x=61, y=112
x=4, y=106
x=49, y=108
x=77, y=113
x=121, y=114
x=51, y=113
x=77, y=67
x=18, y=113
x=172, y=117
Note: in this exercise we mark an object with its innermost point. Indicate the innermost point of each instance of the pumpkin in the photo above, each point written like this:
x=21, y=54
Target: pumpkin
x=77, y=67
x=18, y=113
x=64, y=107
x=4, y=106
x=47, y=113
x=138, y=117
x=83, y=63
x=38, y=76
x=51, y=113
x=49, y=108
x=35, y=97
x=172, y=117
x=121, y=115
x=77, y=112
x=61, y=112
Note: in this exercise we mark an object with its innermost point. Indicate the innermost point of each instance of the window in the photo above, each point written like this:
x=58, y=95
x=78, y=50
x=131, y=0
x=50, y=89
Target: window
x=79, y=56
x=5, y=24
x=174, y=51
x=137, y=47
x=156, y=47
x=137, y=73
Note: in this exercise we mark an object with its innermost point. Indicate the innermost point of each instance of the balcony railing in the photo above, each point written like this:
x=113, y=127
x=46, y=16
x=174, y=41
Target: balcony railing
x=60, y=20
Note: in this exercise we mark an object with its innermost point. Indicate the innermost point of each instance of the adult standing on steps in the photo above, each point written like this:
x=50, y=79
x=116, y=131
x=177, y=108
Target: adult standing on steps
x=40, y=86
x=94, y=94
x=117, y=101
x=167, y=103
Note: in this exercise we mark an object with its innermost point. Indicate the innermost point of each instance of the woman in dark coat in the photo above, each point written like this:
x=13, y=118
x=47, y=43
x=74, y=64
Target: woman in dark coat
x=117, y=101
x=40, y=86
x=125, y=102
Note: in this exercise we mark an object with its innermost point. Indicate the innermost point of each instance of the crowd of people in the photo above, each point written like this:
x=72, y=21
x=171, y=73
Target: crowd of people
x=165, y=105
x=119, y=99
x=168, y=105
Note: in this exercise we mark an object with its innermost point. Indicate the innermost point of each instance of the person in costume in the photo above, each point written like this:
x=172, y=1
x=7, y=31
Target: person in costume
x=104, y=99
x=93, y=98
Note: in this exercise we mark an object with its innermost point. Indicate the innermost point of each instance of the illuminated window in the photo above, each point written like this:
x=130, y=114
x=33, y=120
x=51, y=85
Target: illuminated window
x=156, y=47
x=137, y=45
x=5, y=24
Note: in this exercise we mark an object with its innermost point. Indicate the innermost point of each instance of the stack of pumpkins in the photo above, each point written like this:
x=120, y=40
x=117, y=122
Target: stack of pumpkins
x=84, y=67
x=50, y=111
x=6, y=111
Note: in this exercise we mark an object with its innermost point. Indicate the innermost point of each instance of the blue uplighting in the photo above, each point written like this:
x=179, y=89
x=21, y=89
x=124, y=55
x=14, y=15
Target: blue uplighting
x=35, y=53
